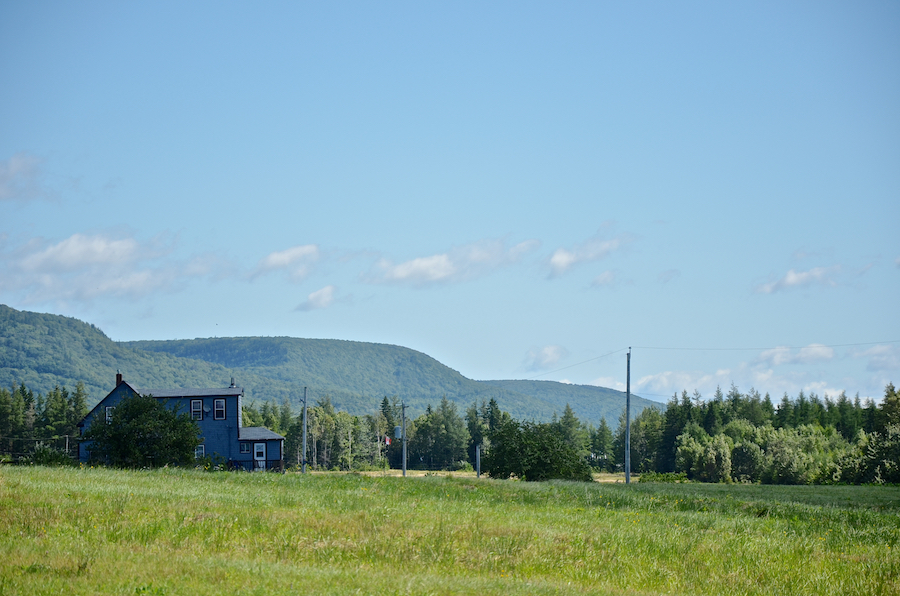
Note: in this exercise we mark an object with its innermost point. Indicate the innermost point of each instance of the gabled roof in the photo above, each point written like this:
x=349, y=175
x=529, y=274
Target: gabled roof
x=169, y=393
x=186, y=392
x=257, y=433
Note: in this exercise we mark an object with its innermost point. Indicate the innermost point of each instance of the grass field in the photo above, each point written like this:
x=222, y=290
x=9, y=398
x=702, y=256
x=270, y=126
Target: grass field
x=98, y=531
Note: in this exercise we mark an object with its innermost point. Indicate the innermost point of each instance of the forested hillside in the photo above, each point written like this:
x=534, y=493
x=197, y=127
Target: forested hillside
x=44, y=351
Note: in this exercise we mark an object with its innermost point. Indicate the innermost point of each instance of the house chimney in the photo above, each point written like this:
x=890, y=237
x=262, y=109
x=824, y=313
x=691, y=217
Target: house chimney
x=118, y=378
x=232, y=381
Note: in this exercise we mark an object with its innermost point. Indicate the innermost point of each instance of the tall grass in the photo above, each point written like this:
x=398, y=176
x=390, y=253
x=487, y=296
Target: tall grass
x=90, y=531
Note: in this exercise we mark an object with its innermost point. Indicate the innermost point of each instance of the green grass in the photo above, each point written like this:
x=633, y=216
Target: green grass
x=99, y=531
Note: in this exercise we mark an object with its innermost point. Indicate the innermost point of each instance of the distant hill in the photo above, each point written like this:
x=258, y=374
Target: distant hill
x=45, y=350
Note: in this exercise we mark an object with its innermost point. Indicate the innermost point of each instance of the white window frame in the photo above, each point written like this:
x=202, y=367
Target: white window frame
x=219, y=409
x=199, y=451
x=196, y=409
x=109, y=413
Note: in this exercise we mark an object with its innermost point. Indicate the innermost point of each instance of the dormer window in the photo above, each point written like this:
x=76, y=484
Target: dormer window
x=196, y=409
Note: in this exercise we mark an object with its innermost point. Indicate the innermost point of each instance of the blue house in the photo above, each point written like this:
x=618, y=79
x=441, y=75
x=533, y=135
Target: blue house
x=218, y=414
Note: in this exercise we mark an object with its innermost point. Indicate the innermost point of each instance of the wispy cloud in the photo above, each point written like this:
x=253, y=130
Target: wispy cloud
x=539, y=359
x=319, y=299
x=80, y=251
x=799, y=279
x=86, y=267
x=461, y=263
x=605, y=279
x=811, y=354
x=20, y=178
x=297, y=261
x=883, y=357
x=593, y=249
x=610, y=382
x=669, y=382
x=668, y=275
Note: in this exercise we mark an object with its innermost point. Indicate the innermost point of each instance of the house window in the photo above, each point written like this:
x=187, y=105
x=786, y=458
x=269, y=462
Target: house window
x=245, y=447
x=109, y=411
x=196, y=409
x=199, y=451
x=219, y=409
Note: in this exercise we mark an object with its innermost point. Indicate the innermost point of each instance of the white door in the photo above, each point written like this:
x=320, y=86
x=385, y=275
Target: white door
x=259, y=456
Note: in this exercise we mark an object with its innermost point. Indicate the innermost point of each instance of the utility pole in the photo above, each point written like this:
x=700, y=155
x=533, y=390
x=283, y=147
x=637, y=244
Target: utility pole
x=628, y=419
x=478, y=460
x=403, y=419
x=304, y=430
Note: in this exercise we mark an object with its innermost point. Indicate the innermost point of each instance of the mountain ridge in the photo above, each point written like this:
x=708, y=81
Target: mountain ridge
x=44, y=350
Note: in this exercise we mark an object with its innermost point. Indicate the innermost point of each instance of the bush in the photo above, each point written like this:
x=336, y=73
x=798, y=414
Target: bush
x=143, y=433
x=533, y=452
x=44, y=455
x=747, y=461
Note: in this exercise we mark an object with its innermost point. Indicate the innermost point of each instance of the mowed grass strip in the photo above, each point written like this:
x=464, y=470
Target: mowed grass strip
x=100, y=531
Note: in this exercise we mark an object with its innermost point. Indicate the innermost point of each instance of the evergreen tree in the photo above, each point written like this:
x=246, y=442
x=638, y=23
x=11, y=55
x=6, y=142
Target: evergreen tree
x=601, y=447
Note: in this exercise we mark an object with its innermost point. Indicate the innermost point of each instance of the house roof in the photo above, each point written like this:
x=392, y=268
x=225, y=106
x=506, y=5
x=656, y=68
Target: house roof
x=168, y=393
x=186, y=392
x=257, y=433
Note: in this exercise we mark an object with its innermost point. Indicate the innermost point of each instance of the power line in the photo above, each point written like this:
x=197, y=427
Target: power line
x=871, y=343
x=576, y=364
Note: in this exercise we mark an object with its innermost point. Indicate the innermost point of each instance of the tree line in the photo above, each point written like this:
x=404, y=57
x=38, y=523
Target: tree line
x=28, y=419
x=747, y=438
x=742, y=437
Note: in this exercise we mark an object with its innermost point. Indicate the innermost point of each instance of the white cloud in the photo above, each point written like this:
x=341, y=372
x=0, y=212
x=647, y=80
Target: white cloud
x=610, y=382
x=80, y=251
x=458, y=264
x=593, y=249
x=319, y=299
x=883, y=357
x=297, y=261
x=669, y=382
x=20, y=178
x=800, y=279
x=821, y=388
x=544, y=358
x=83, y=268
x=811, y=354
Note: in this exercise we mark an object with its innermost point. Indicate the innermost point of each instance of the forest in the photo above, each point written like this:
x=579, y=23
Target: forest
x=733, y=437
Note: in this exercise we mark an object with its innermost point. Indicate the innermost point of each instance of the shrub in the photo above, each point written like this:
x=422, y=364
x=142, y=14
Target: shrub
x=44, y=455
x=533, y=452
x=144, y=433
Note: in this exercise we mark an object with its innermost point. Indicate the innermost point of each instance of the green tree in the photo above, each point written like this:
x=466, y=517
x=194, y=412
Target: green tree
x=441, y=438
x=573, y=431
x=143, y=432
x=53, y=420
x=601, y=447
x=533, y=452
x=890, y=407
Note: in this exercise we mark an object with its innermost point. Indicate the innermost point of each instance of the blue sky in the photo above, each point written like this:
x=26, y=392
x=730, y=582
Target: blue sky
x=520, y=190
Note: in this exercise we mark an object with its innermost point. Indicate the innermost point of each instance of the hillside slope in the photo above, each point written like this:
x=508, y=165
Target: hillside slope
x=44, y=350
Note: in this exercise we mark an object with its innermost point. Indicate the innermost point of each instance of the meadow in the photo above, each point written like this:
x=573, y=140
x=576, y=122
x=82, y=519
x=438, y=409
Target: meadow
x=101, y=531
